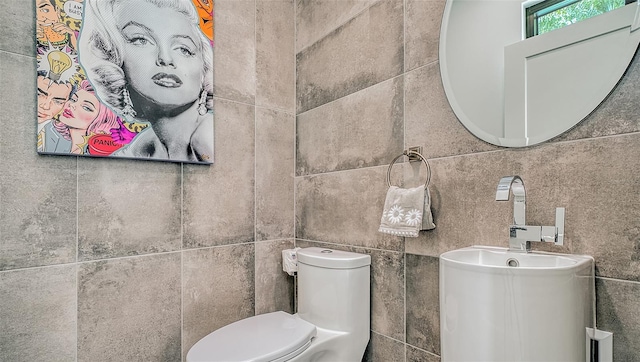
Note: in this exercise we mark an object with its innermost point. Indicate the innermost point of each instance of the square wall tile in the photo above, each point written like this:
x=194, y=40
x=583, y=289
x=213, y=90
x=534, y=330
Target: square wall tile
x=387, y=293
x=219, y=200
x=344, y=208
x=129, y=309
x=38, y=217
x=423, y=303
x=38, y=314
x=275, y=58
x=235, y=51
x=360, y=130
x=128, y=208
x=20, y=119
x=274, y=287
x=38, y=193
x=617, y=305
x=18, y=28
x=383, y=348
x=315, y=19
x=423, y=19
x=218, y=288
x=366, y=50
x=274, y=174
x=418, y=355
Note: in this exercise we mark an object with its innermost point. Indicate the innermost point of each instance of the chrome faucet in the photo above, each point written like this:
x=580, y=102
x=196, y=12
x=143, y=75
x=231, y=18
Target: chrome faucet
x=513, y=184
x=520, y=234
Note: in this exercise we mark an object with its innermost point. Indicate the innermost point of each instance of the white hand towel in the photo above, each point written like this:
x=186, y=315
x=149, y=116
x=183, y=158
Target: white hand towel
x=404, y=210
x=427, y=216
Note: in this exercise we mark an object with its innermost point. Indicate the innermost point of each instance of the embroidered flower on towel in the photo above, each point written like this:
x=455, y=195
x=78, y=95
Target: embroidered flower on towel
x=413, y=217
x=395, y=214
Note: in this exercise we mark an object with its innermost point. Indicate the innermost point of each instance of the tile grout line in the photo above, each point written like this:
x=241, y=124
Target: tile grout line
x=404, y=317
x=273, y=108
x=77, y=269
x=619, y=280
x=405, y=146
x=31, y=56
x=351, y=246
x=385, y=336
x=295, y=142
x=181, y=261
x=255, y=154
x=295, y=127
x=423, y=350
x=122, y=257
x=182, y=305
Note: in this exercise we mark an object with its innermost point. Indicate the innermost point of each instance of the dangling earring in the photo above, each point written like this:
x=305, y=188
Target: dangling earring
x=202, y=104
x=127, y=110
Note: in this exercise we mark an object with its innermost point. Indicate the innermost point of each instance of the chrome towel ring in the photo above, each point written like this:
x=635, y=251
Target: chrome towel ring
x=410, y=153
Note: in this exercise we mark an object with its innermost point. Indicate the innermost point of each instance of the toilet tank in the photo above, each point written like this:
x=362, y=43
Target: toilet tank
x=333, y=289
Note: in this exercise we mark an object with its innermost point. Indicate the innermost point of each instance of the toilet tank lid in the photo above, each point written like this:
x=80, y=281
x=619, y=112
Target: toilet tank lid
x=334, y=259
x=261, y=338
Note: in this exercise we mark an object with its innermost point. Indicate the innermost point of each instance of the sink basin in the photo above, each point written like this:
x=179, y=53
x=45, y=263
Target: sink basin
x=497, y=305
x=494, y=257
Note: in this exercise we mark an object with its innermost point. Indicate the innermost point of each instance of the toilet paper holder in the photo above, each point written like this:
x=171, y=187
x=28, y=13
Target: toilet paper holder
x=290, y=261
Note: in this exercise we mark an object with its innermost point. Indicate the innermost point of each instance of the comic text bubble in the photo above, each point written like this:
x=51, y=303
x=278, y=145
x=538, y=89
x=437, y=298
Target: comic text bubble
x=73, y=9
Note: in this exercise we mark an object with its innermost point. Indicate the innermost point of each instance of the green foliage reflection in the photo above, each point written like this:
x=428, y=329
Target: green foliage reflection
x=574, y=12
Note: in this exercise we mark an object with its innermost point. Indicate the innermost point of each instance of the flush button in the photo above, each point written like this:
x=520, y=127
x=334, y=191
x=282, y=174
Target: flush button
x=326, y=251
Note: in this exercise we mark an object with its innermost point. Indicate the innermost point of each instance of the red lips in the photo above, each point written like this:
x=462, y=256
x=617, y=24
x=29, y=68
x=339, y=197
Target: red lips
x=167, y=80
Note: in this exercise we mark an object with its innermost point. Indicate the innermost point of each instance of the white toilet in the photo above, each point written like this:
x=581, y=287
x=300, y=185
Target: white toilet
x=332, y=323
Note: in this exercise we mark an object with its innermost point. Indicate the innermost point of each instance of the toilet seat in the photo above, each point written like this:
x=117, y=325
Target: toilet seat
x=270, y=337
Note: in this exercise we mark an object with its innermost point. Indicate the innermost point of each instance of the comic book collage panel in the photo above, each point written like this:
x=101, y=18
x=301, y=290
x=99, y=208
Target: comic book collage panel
x=126, y=79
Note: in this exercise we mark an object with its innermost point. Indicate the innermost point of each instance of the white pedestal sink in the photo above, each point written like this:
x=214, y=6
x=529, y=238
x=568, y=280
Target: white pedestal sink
x=497, y=305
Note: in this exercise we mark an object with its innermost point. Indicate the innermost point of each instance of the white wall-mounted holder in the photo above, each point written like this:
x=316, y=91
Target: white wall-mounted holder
x=599, y=345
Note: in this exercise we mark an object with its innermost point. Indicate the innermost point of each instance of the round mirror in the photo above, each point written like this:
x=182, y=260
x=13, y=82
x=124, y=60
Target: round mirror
x=514, y=91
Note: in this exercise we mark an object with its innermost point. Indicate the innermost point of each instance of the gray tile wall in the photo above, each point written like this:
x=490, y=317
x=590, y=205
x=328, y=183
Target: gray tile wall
x=360, y=102
x=114, y=260
x=38, y=314
x=364, y=51
x=77, y=264
x=129, y=309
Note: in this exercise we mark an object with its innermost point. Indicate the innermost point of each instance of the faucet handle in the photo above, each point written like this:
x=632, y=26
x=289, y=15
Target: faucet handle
x=554, y=234
x=559, y=226
x=548, y=234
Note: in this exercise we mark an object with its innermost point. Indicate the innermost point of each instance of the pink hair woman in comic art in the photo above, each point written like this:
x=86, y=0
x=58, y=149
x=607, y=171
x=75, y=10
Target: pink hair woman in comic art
x=150, y=60
x=82, y=117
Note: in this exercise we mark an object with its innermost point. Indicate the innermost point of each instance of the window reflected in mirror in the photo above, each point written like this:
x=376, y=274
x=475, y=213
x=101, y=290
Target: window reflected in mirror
x=544, y=16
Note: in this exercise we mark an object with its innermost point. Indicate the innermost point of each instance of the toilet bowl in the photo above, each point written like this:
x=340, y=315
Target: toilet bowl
x=332, y=323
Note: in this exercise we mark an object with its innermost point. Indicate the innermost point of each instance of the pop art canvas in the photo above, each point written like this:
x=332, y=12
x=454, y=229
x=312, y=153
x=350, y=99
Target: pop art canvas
x=126, y=79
